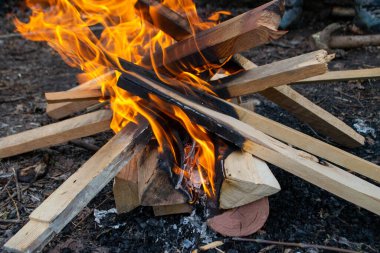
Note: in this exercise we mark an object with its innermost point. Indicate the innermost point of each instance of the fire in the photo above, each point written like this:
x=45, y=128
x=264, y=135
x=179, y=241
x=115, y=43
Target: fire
x=67, y=26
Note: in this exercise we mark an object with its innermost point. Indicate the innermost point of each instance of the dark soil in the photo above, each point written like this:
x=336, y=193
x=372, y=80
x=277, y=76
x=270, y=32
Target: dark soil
x=301, y=212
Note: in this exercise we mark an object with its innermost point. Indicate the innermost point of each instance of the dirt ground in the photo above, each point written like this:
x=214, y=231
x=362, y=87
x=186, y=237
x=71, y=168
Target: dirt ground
x=301, y=212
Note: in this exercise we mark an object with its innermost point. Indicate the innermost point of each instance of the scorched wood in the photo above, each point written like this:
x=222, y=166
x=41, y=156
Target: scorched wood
x=337, y=181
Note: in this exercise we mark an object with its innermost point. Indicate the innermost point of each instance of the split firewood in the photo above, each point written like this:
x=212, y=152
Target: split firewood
x=339, y=182
x=240, y=33
x=247, y=179
x=154, y=186
x=125, y=186
x=172, y=209
x=78, y=190
x=343, y=75
x=61, y=110
x=56, y=133
x=272, y=75
x=287, y=97
x=325, y=39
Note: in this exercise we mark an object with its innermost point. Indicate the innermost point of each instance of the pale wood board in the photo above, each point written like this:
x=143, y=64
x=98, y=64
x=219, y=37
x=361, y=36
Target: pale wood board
x=64, y=109
x=78, y=190
x=307, y=111
x=125, y=186
x=308, y=143
x=56, y=133
x=312, y=114
x=74, y=95
x=343, y=75
x=246, y=179
x=272, y=75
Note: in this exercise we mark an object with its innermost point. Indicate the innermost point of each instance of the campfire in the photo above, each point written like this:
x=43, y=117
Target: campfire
x=170, y=86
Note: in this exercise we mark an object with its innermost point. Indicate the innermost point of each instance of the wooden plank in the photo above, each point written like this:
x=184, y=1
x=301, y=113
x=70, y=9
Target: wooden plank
x=64, y=109
x=318, y=118
x=336, y=181
x=308, y=143
x=343, y=75
x=250, y=29
x=74, y=95
x=56, y=133
x=78, y=190
x=272, y=75
x=246, y=179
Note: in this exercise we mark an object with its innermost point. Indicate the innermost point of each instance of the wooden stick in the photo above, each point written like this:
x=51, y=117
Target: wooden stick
x=272, y=75
x=247, y=179
x=78, y=190
x=308, y=143
x=56, y=133
x=74, y=95
x=240, y=33
x=319, y=119
x=343, y=75
x=354, y=41
x=61, y=110
x=338, y=182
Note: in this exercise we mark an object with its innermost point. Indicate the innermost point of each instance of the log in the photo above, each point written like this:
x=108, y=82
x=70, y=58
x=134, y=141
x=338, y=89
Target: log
x=61, y=110
x=74, y=95
x=172, y=209
x=154, y=186
x=125, y=186
x=246, y=179
x=353, y=41
x=289, y=102
x=77, y=191
x=272, y=75
x=250, y=29
x=56, y=133
x=319, y=119
x=338, y=182
x=343, y=75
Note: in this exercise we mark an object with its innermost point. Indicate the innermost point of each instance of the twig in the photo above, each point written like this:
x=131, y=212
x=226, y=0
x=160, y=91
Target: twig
x=212, y=245
x=15, y=204
x=290, y=244
x=17, y=185
x=10, y=221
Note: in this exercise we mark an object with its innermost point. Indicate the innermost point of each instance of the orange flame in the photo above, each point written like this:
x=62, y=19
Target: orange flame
x=66, y=25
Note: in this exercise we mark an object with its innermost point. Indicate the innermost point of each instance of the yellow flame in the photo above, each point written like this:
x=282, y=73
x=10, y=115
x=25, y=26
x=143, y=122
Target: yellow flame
x=66, y=25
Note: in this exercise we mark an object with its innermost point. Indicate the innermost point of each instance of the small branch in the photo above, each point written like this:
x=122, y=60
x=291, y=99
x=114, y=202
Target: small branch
x=17, y=185
x=290, y=244
x=84, y=145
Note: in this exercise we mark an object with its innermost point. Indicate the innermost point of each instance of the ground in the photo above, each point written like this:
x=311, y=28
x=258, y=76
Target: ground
x=301, y=212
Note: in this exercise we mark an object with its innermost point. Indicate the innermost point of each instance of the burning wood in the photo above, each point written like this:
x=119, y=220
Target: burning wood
x=187, y=119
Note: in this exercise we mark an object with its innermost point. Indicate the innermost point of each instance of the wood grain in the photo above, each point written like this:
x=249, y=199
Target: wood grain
x=56, y=133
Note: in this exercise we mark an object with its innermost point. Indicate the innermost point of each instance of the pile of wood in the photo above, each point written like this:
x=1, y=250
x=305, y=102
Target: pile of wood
x=131, y=157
